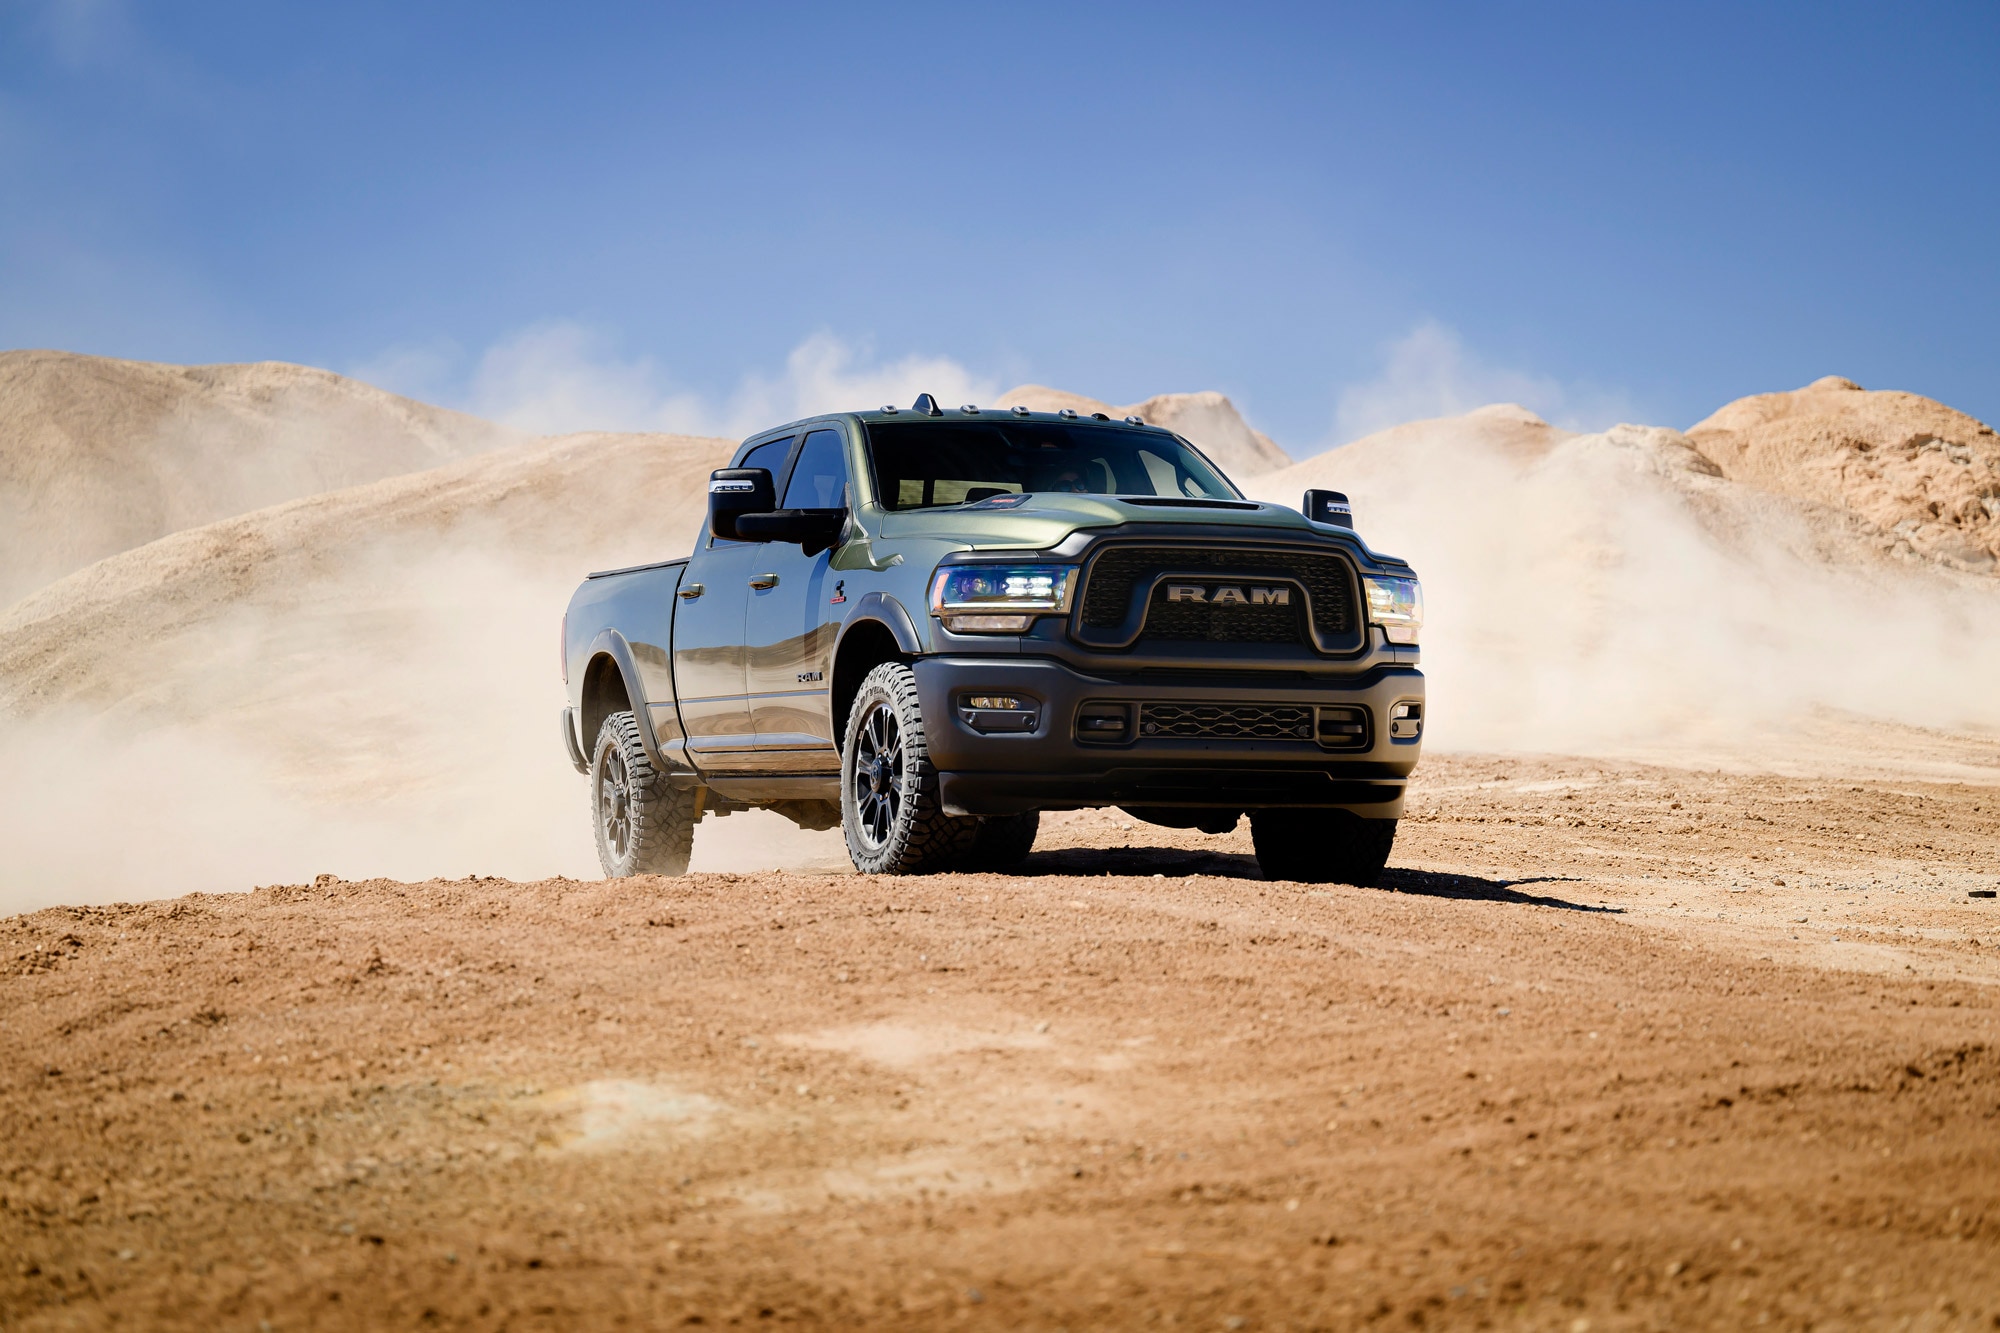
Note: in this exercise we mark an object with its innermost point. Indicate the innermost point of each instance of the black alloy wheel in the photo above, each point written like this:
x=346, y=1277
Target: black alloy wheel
x=878, y=774
x=614, y=805
x=890, y=810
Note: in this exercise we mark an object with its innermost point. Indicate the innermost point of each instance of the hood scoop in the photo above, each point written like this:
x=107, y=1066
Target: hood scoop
x=1174, y=502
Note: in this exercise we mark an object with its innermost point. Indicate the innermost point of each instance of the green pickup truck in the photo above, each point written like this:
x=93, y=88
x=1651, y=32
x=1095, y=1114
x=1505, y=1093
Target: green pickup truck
x=927, y=625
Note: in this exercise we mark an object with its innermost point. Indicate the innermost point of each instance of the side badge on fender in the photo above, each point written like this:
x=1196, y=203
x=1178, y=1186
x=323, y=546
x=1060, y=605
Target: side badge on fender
x=839, y=592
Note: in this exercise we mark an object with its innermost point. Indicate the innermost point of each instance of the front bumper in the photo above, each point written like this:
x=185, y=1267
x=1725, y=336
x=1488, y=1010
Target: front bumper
x=1048, y=766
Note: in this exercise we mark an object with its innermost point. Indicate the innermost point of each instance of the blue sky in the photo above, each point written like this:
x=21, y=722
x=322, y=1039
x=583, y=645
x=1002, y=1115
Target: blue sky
x=646, y=214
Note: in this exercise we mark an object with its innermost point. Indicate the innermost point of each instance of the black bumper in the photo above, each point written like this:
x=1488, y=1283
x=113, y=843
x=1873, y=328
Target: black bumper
x=1048, y=766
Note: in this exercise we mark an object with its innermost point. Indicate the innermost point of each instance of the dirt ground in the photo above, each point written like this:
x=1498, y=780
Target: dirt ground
x=1615, y=1046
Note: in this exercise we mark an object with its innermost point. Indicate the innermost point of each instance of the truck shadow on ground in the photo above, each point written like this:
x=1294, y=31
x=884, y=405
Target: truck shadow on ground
x=1437, y=884
x=1173, y=862
x=1177, y=863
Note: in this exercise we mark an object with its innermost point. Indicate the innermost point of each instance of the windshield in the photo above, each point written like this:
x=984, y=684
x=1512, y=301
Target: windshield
x=919, y=464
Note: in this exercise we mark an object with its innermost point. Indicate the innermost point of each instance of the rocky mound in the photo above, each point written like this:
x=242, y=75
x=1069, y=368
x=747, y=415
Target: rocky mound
x=1208, y=419
x=98, y=456
x=1926, y=476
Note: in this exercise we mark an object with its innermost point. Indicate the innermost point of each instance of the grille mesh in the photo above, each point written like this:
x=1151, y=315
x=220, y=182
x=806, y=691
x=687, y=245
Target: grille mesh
x=1107, y=593
x=1268, y=722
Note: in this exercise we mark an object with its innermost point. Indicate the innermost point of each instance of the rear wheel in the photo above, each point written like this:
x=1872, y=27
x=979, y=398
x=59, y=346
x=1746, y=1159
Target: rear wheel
x=890, y=811
x=1002, y=843
x=645, y=825
x=1321, y=846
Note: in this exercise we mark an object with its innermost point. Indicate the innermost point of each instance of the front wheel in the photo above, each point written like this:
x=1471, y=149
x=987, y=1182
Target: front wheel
x=890, y=811
x=645, y=825
x=1321, y=846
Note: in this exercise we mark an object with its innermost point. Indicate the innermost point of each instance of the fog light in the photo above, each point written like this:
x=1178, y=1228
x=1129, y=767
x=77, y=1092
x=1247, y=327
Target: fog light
x=1406, y=721
x=997, y=712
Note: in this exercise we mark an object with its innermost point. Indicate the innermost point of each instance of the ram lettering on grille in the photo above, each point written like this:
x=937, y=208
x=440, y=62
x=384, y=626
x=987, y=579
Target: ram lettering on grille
x=1229, y=596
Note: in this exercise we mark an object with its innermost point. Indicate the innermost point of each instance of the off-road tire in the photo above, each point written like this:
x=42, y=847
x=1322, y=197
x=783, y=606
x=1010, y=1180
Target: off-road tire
x=1002, y=842
x=890, y=812
x=645, y=825
x=1321, y=846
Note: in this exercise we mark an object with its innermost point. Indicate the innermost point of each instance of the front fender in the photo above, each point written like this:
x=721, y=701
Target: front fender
x=886, y=611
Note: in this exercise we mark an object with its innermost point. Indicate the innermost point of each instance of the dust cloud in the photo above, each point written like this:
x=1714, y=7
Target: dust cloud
x=1618, y=597
x=394, y=715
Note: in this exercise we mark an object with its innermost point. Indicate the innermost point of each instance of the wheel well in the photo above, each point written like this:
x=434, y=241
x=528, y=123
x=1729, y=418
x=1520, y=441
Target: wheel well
x=865, y=647
x=603, y=695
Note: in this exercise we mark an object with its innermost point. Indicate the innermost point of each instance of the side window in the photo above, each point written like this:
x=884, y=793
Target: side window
x=819, y=478
x=770, y=456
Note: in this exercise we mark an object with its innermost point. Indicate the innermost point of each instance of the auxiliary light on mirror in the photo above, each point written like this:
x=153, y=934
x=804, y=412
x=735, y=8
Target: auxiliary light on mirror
x=1328, y=507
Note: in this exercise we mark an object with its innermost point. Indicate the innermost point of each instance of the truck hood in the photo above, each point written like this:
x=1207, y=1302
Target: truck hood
x=1044, y=520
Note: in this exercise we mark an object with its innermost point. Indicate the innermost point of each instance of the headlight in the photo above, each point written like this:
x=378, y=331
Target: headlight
x=999, y=599
x=1397, y=605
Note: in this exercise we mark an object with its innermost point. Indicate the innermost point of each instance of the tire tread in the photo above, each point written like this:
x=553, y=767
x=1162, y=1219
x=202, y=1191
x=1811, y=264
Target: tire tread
x=925, y=838
x=662, y=814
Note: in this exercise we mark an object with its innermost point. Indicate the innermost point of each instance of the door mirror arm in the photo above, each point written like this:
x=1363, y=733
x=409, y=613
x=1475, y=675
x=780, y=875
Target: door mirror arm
x=812, y=530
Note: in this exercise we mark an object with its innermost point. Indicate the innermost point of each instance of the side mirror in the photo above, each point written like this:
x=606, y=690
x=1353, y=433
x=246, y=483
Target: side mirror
x=812, y=530
x=734, y=491
x=1327, y=507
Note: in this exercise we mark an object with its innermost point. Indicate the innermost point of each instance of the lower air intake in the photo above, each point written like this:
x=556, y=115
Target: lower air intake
x=1265, y=722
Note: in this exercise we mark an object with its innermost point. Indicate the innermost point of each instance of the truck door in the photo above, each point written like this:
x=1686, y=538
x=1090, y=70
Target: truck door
x=792, y=622
x=708, y=638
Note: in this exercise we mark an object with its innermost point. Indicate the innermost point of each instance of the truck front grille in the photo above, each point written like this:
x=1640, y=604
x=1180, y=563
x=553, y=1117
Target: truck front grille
x=1317, y=594
x=1262, y=722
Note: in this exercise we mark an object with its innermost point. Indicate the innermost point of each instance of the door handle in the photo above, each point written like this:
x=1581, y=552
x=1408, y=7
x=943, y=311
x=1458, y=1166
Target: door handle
x=764, y=581
x=693, y=590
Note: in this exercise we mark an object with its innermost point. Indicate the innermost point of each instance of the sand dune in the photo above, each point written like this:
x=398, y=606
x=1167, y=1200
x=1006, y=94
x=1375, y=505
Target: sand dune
x=562, y=506
x=102, y=455
x=1209, y=419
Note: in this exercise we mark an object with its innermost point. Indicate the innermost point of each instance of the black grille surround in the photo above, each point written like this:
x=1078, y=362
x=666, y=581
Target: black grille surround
x=1246, y=722
x=1125, y=602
